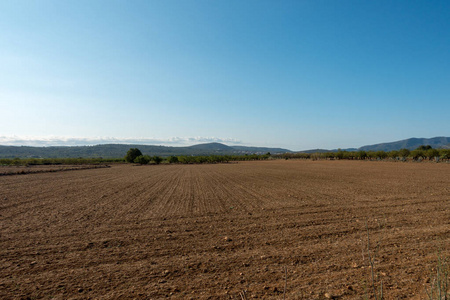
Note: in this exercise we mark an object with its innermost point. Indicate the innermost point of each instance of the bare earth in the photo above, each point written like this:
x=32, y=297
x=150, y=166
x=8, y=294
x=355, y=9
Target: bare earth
x=214, y=231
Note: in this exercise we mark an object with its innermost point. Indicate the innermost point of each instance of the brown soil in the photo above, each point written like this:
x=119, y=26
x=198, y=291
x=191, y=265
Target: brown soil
x=215, y=231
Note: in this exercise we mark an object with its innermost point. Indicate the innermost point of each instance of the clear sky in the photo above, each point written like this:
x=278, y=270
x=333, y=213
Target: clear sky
x=294, y=74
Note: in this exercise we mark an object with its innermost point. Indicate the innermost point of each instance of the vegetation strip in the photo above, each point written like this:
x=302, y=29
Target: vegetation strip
x=31, y=171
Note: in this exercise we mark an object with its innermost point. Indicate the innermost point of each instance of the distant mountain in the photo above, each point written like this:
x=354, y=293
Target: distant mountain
x=119, y=150
x=411, y=144
x=211, y=147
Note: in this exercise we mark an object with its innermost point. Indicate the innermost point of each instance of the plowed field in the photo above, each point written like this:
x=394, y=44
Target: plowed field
x=215, y=231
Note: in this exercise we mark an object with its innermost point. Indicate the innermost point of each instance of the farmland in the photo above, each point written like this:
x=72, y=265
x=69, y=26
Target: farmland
x=215, y=230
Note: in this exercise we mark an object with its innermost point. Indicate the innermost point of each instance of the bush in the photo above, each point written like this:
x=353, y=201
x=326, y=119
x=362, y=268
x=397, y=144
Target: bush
x=132, y=154
x=444, y=153
x=394, y=154
x=404, y=152
x=173, y=159
x=381, y=154
x=142, y=159
x=424, y=148
x=431, y=153
x=416, y=154
x=157, y=159
x=361, y=154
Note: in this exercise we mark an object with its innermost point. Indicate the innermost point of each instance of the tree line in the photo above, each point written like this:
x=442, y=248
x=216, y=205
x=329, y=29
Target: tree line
x=421, y=153
x=134, y=155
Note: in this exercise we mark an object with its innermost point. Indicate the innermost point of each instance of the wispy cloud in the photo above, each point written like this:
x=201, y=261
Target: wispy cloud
x=84, y=141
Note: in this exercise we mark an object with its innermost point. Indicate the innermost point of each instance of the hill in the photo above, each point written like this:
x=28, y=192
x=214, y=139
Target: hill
x=119, y=150
x=411, y=144
x=214, y=147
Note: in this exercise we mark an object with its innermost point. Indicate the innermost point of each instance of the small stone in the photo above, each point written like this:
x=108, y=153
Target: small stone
x=227, y=239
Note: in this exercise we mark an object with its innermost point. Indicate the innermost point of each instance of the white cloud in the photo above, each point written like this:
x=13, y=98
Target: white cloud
x=83, y=141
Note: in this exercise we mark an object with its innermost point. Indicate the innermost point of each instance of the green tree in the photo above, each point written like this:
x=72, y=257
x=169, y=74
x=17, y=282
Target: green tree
x=416, y=154
x=173, y=159
x=424, y=148
x=371, y=155
x=361, y=154
x=381, y=154
x=132, y=154
x=431, y=153
x=404, y=152
x=393, y=154
x=444, y=153
x=157, y=159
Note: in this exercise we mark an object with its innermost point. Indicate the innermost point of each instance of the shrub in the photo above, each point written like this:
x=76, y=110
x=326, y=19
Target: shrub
x=157, y=159
x=444, y=153
x=431, y=153
x=424, y=148
x=381, y=154
x=404, y=152
x=142, y=159
x=132, y=154
x=393, y=154
x=361, y=154
x=173, y=159
x=416, y=154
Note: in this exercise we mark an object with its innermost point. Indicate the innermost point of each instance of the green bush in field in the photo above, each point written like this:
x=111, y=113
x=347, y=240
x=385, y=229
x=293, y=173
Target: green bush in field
x=404, y=153
x=361, y=154
x=381, y=154
x=431, y=153
x=142, y=159
x=157, y=159
x=424, y=148
x=393, y=154
x=173, y=159
x=132, y=154
x=444, y=153
x=418, y=153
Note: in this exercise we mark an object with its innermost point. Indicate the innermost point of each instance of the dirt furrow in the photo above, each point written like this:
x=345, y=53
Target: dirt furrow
x=213, y=231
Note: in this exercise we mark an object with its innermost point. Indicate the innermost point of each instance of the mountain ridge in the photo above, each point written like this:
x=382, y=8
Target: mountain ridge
x=410, y=144
x=119, y=150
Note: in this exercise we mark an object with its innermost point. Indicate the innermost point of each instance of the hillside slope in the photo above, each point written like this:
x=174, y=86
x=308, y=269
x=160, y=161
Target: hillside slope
x=119, y=150
x=411, y=144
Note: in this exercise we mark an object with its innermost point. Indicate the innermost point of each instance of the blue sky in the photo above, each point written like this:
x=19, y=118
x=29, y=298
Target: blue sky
x=293, y=74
